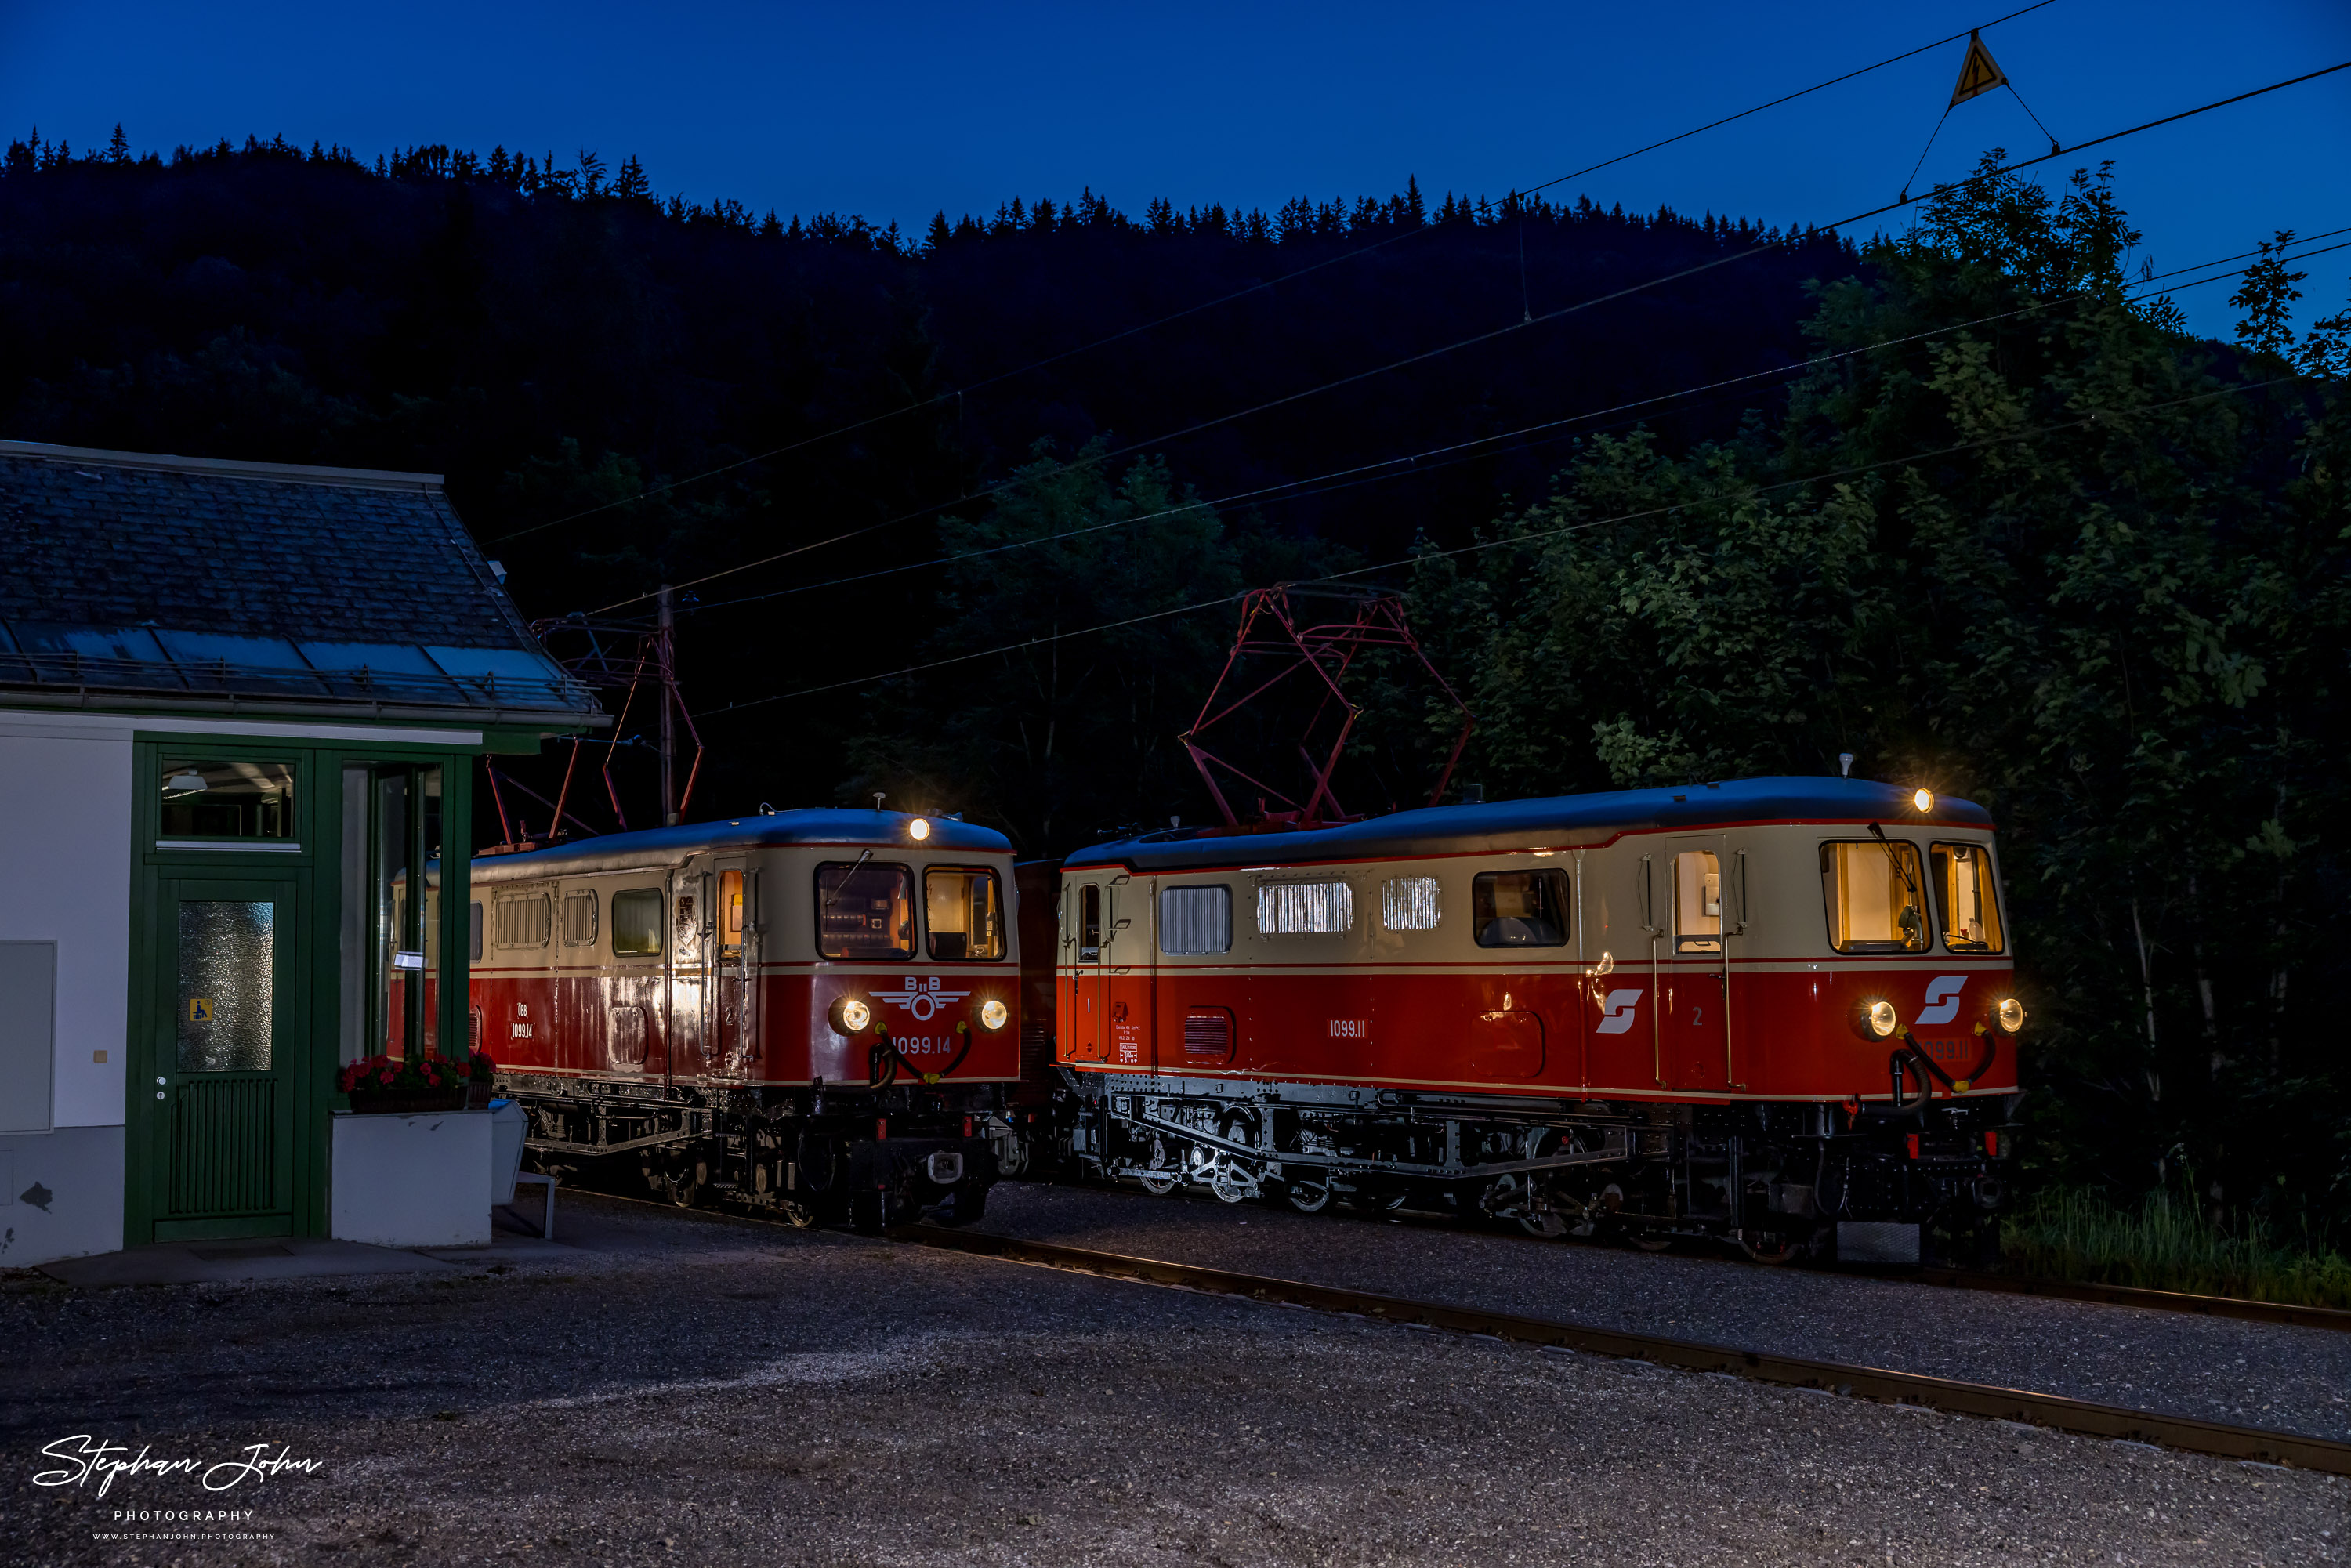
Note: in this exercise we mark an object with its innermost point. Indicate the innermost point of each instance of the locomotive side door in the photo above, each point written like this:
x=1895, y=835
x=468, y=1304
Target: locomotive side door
x=1698, y=879
x=734, y=959
x=1086, y=1005
x=689, y=989
x=1127, y=954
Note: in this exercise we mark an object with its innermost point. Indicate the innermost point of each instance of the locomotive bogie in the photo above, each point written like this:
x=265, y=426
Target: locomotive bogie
x=1756, y=1011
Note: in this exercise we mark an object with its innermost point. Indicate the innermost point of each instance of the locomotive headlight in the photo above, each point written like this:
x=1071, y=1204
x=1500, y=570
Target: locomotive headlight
x=1881, y=1018
x=2010, y=1014
x=851, y=1015
x=1924, y=799
x=994, y=1014
x=919, y=828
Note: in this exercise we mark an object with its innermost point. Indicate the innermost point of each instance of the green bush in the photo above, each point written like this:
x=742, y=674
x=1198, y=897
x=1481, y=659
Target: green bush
x=2168, y=1243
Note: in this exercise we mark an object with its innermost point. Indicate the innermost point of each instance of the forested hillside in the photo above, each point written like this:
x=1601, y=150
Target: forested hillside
x=2015, y=535
x=556, y=339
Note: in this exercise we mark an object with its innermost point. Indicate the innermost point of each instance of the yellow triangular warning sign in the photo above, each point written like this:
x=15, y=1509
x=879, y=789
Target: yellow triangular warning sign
x=1979, y=73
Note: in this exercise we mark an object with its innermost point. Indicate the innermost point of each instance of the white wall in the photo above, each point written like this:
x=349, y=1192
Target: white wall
x=65, y=865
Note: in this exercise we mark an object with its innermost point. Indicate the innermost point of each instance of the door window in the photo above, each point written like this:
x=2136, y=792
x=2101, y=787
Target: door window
x=865, y=909
x=963, y=912
x=227, y=800
x=1090, y=922
x=227, y=989
x=730, y=911
x=1697, y=902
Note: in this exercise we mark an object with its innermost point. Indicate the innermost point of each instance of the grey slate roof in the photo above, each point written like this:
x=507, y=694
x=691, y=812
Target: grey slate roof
x=136, y=580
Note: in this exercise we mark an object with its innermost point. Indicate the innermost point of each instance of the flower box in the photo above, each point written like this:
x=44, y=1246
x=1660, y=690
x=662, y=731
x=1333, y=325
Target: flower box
x=409, y=1102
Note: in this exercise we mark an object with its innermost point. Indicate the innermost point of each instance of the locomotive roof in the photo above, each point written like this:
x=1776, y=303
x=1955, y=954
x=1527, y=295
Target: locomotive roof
x=1549, y=820
x=876, y=831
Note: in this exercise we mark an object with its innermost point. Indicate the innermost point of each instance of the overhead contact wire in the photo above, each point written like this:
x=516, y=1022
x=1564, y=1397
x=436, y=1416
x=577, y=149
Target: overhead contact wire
x=1489, y=336
x=1262, y=286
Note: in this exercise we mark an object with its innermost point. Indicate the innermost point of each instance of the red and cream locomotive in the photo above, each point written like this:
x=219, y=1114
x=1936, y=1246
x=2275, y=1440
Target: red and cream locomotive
x=1778, y=1011
x=814, y=1012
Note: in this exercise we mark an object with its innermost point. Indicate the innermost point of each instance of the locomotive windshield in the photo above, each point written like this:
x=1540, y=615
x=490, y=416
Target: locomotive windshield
x=865, y=909
x=1519, y=908
x=1963, y=890
x=963, y=913
x=1874, y=902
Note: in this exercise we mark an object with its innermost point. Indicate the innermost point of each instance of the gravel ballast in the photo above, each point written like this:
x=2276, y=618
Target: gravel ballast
x=681, y=1388
x=2220, y=1369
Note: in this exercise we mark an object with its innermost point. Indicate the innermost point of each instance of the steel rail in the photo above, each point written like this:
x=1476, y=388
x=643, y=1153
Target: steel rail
x=2243, y=1308
x=2056, y=1412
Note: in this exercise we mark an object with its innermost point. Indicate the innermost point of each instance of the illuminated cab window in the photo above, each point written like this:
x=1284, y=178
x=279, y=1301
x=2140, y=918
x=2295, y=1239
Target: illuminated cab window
x=962, y=912
x=1875, y=897
x=637, y=923
x=1519, y=908
x=1697, y=902
x=1965, y=897
x=249, y=801
x=865, y=910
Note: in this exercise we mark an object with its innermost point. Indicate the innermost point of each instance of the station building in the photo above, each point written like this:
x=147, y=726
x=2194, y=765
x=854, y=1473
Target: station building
x=240, y=706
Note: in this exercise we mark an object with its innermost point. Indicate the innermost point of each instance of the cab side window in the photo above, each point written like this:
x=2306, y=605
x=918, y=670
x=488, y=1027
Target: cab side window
x=637, y=922
x=1519, y=908
x=1965, y=898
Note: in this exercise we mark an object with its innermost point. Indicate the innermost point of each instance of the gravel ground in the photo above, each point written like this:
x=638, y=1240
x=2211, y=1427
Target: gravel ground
x=683, y=1389
x=2252, y=1374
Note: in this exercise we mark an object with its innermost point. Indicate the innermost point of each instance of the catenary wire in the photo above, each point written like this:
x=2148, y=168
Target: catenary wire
x=1475, y=338
x=1261, y=286
x=1739, y=493
x=1426, y=461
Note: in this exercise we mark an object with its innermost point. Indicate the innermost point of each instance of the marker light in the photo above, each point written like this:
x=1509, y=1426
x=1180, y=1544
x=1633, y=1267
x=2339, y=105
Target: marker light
x=1924, y=799
x=1881, y=1018
x=851, y=1015
x=994, y=1014
x=2010, y=1014
x=919, y=828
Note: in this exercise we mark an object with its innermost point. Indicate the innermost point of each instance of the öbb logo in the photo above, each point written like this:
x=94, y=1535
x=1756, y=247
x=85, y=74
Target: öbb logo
x=1942, y=1000
x=1616, y=1012
x=921, y=996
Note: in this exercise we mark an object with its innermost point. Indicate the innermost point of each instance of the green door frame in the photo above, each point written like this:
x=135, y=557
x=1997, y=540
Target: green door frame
x=313, y=990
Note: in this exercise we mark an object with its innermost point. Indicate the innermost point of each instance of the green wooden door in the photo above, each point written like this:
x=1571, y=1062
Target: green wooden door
x=222, y=1061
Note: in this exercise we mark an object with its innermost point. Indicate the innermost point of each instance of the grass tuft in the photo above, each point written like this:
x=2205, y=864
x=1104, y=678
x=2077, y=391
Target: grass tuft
x=2168, y=1243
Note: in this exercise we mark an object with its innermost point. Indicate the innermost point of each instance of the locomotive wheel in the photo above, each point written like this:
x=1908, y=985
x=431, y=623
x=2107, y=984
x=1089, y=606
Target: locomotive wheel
x=1773, y=1249
x=1548, y=1225
x=1306, y=1197
x=1158, y=1186
x=1226, y=1186
x=1649, y=1242
x=799, y=1214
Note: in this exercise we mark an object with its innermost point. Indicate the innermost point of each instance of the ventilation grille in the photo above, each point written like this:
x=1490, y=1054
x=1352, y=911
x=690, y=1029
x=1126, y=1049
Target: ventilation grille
x=224, y=1147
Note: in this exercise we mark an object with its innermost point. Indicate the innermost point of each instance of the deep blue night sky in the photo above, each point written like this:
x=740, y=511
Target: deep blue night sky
x=897, y=112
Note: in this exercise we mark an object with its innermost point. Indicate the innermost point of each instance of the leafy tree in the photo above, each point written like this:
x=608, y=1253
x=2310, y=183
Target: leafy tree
x=2056, y=557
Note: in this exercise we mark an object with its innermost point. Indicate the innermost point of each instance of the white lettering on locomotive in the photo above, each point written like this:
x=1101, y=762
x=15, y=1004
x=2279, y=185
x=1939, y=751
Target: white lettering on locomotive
x=1942, y=1000
x=1617, y=1012
x=1350, y=1028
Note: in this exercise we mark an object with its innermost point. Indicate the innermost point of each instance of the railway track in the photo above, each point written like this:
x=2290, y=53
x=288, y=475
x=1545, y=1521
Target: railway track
x=2236, y=1307
x=2048, y=1410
